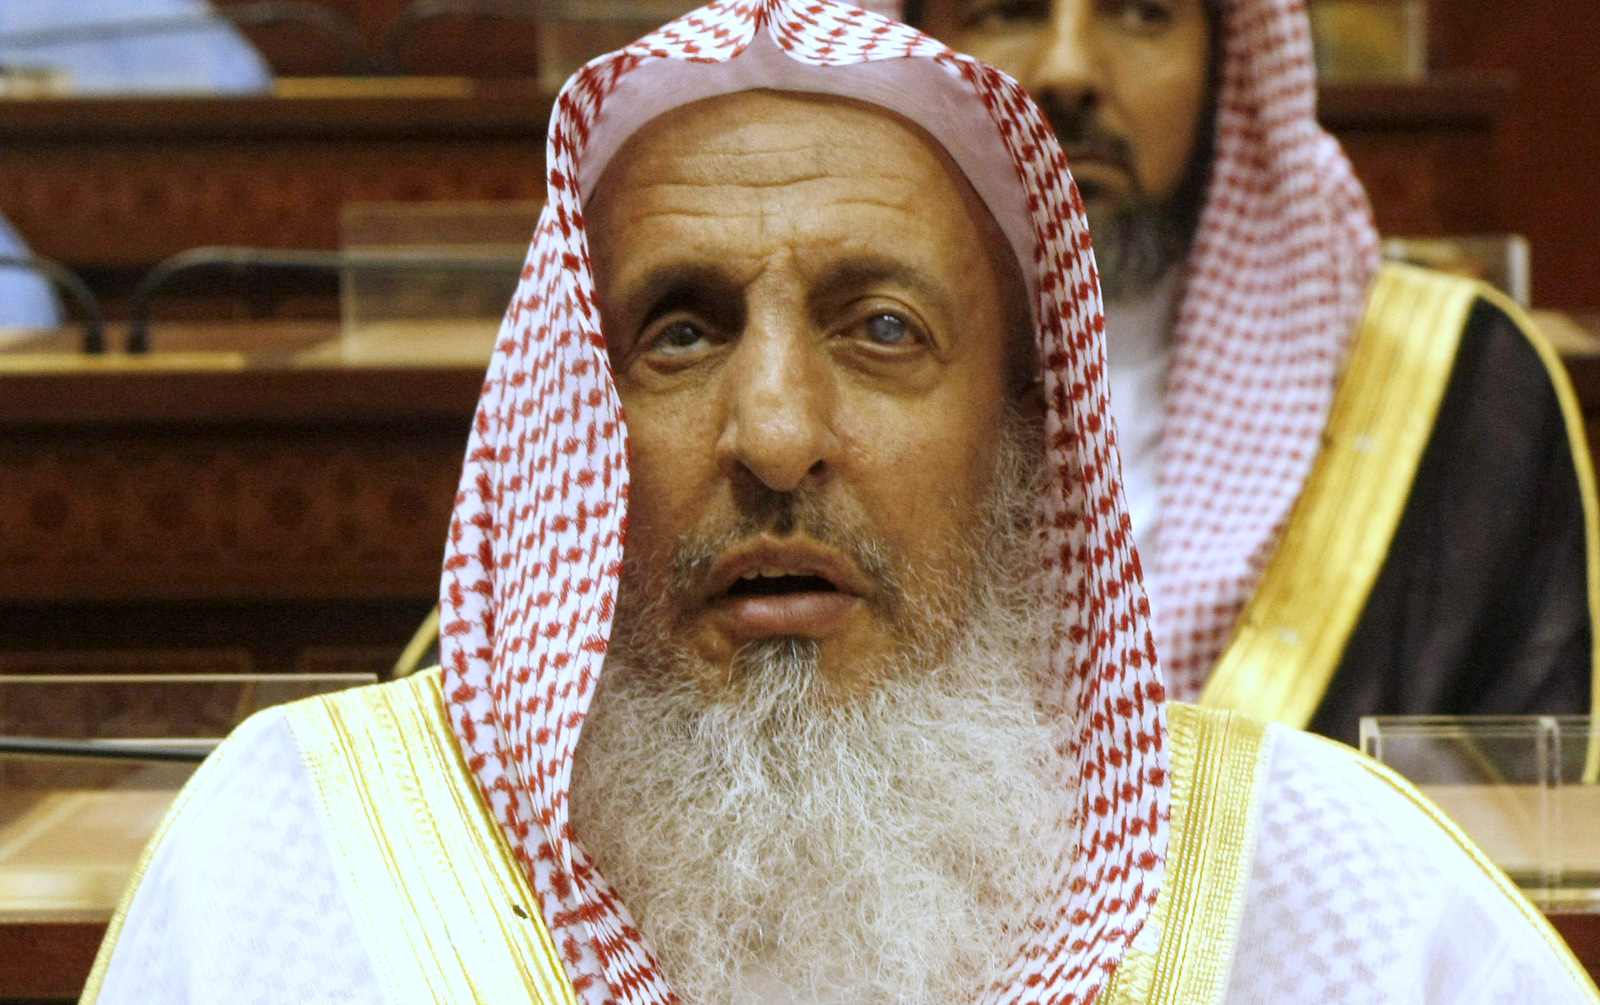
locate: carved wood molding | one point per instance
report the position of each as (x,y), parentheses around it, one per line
(133,204)
(224,514)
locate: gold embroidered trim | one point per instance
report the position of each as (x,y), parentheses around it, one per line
(449,913)
(1292,634)
(102,959)
(1534,916)
(422,640)
(1219,761)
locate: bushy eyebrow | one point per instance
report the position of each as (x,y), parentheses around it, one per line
(697,286)
(672,282)
(848,278)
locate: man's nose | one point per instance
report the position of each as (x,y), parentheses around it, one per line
(1065,71)
(777,425)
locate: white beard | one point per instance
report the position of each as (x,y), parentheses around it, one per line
(776,847)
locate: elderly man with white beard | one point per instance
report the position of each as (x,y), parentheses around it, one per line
(795,645)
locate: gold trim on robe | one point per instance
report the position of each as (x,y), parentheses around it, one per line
(1292,634)
(446,913)
(1184,953)
(448,910)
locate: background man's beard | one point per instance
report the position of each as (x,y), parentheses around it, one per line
(1136,243)
(1134,246)
(892,847)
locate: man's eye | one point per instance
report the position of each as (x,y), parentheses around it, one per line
(1000,13)
(888,329)
(677,338)
(1144,15)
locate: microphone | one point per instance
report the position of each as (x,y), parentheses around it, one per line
(191,752)
(94,329)
(260,14)
(240,261)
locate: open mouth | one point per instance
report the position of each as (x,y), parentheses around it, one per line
(767,589)
(757,585)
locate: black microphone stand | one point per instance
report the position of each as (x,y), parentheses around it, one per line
(94,329)
(240,261)
(107,750)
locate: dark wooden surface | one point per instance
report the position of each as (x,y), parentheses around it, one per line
(268,517)
(102,183)
(97,183)
(483,44)
(47,961)
(1582,932)
(1423,153)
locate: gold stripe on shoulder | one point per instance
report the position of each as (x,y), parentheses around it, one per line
(1292,634)
(423,639)
(1218,765)
(432,879)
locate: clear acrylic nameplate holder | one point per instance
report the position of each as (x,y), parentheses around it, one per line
(427,283)
(92,764)
(1522,787)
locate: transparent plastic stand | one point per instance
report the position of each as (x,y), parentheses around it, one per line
(72,824)
(433,279)
(1522,787)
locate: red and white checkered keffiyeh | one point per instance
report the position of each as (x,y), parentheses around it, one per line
(536,540)
(1277,280)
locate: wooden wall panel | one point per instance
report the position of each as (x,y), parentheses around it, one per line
(109,204)
(1547,155)
(271,519)
(223,514)
(1425,182)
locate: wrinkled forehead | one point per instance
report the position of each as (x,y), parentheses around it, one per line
(917,89)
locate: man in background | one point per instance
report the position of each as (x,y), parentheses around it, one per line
(130,47)
(105,47)
(26,300)
(1354,490)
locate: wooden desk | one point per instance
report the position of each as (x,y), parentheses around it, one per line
(224,512)
(108,182)
(128,182)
